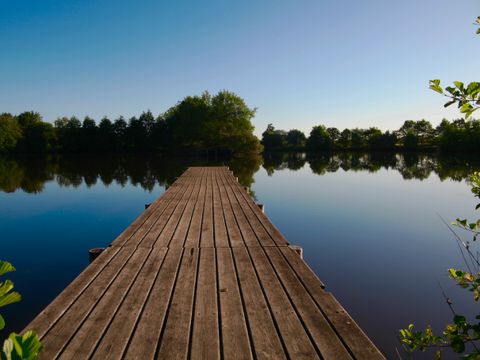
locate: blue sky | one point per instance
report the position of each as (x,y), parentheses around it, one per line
(343,63)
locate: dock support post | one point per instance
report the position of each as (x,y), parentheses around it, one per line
(262,207)
(94,253)
(147,206)
(246,189)
(297,249)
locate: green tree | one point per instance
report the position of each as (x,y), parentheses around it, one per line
(106,135)
(38,136)
(319,139)
(89,132)
(222,122)
(345,140)
(296,139)
(120,132)
(272,138)
(334,134)
(10,132)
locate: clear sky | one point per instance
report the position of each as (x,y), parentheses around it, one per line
(343,63)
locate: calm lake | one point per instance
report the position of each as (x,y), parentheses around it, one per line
(369,224)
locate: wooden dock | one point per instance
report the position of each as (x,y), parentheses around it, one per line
(201,274)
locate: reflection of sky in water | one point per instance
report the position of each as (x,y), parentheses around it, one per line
(374,238)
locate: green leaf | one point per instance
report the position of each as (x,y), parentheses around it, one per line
(2,322)
(458,84)
(466,108)
(449,103)
(10,298)
(473,88)
(435,86)
(6,267)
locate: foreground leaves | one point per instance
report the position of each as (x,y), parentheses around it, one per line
(25,347)
(16,347)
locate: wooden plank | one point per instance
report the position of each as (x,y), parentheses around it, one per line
(147,332)
(325,339)
(248,235)
(163,231)
(234,236)
(292,332)
(263,237)
(154,222)
(235,341)
(92,329)
(269,226)
(205,334)
(220,230)
(194,231)
(59,335)
(176,334)
(115,340)
(55,310)
(148,217)
(180,234)
(354,338)
(266,342)
(206,238)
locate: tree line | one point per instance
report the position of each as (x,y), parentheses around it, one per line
(220,123)
(458,135)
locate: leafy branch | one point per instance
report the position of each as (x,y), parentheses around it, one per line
(456,335)
(467,97)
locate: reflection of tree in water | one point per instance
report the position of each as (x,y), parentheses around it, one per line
(410,165)
(245,168)
(28,173)
(31,173)
(283,160)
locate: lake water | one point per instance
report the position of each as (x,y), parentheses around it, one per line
(369,224)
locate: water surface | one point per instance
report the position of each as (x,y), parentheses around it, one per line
(368,223)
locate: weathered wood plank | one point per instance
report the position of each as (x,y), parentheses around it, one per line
(174,343)
(146,336)
(97,321)
(59,335)
(194,231)
(263,237)
(206,238)
(276,235)
(205,334)
(162,234)
(114,343)
(54,311)
(181,231)
(234,236)
(266,342)
(220,229)
(248,235)
(235,341)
